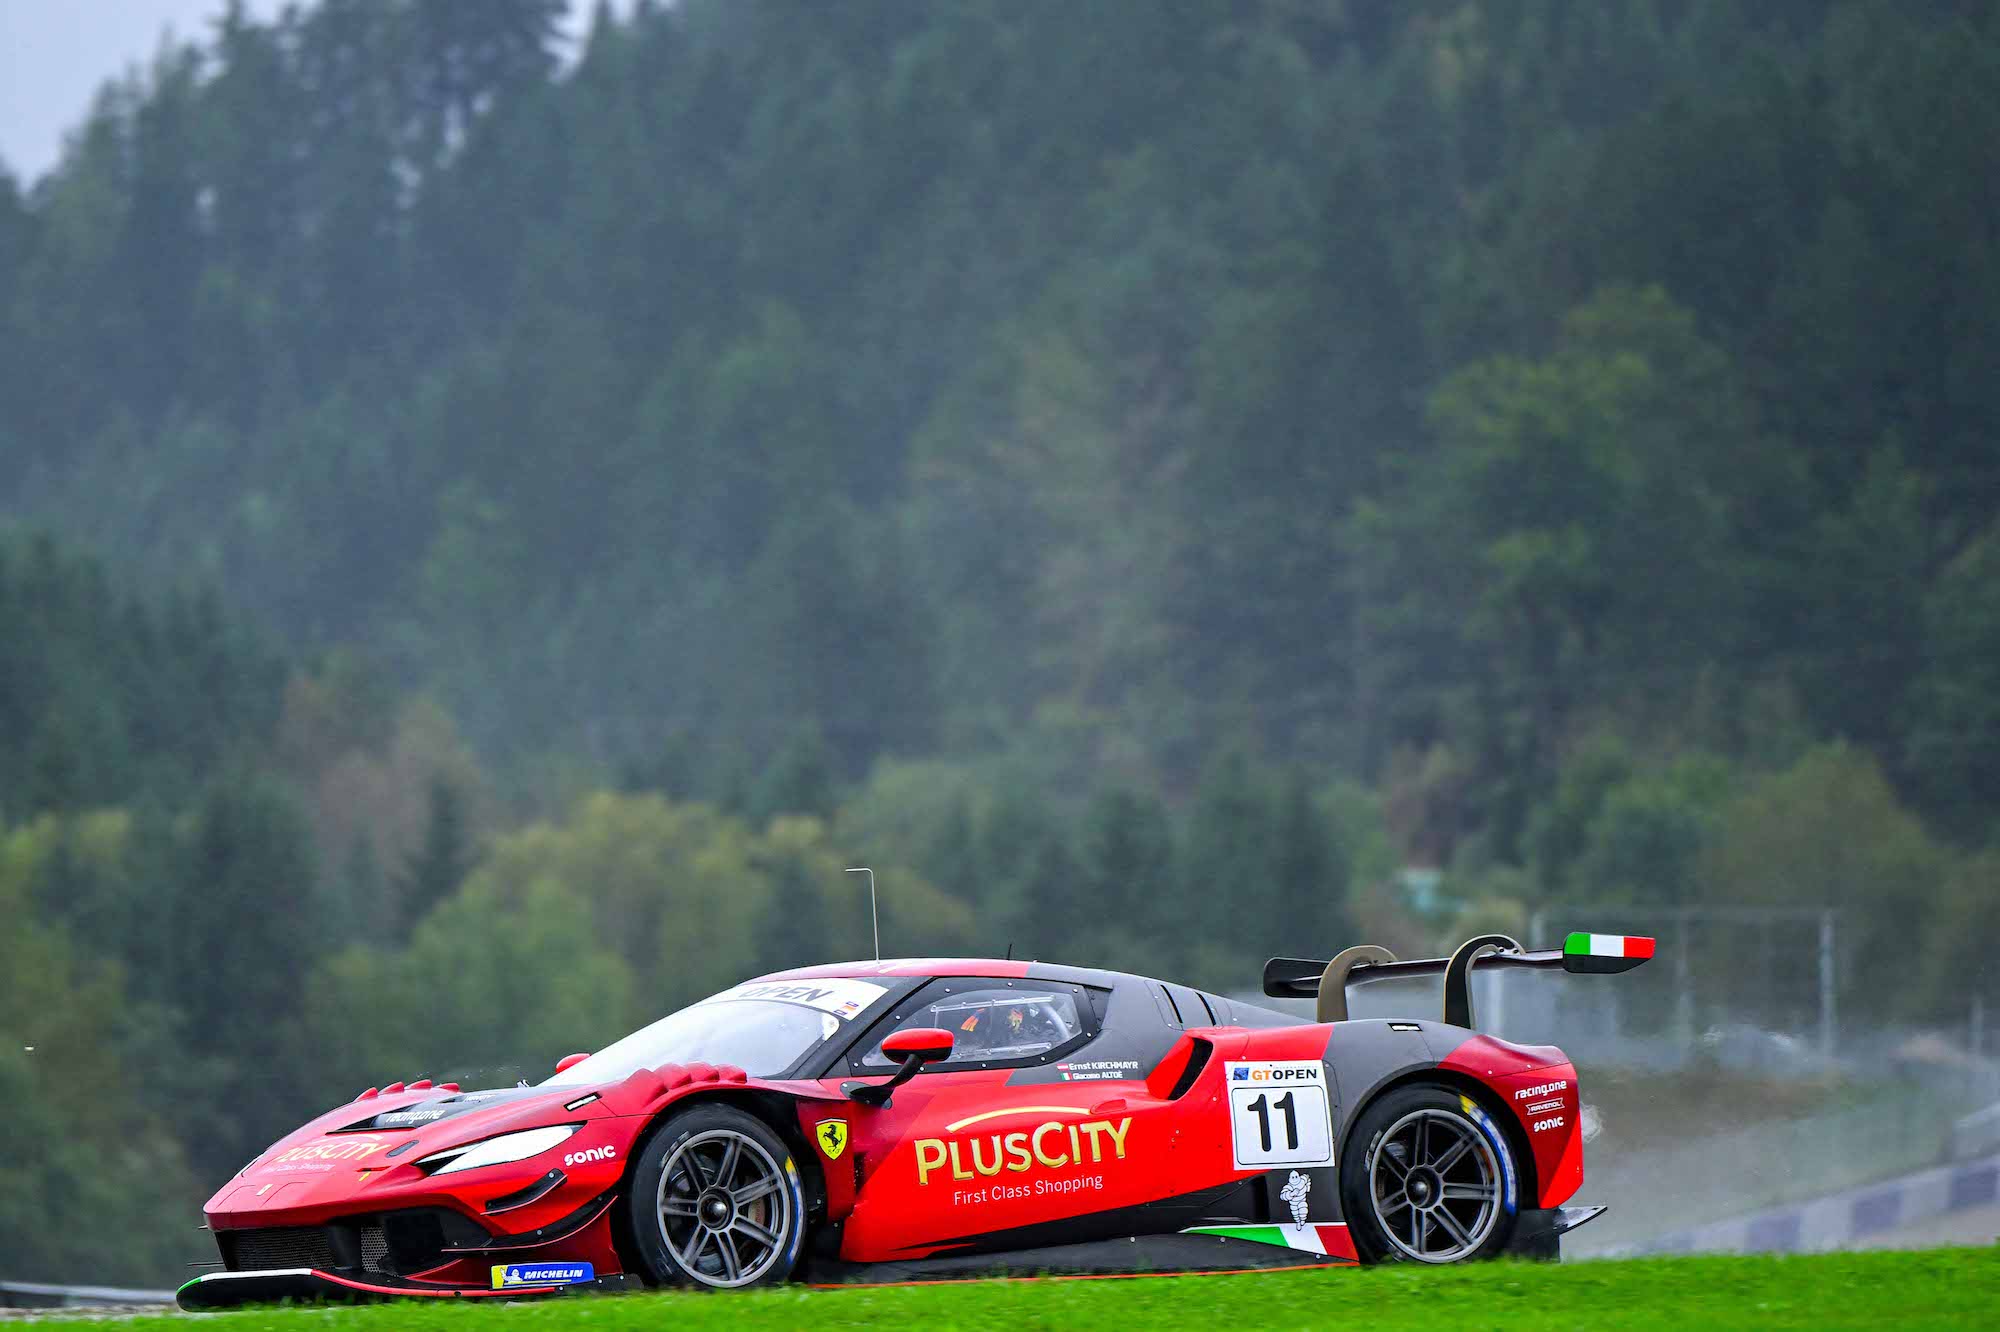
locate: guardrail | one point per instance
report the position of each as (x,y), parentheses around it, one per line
(1850,1219)
(35,1295)
(1977,1133)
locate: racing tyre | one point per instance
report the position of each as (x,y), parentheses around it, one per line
(1427,1177)
(716,1201)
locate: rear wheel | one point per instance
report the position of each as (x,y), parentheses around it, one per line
(1423,1181)
(717,1201)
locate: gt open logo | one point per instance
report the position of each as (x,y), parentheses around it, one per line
(590,1154)
(1274,1073)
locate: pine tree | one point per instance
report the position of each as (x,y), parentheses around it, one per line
(244,919)
(794,931)
(1224,888)
(1125,870)
(799,781)
(444,859)
(1308,873)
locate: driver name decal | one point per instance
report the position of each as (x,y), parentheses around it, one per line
(1050,1145)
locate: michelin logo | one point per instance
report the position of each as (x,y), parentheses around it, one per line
(542,1274)
(1295,1191)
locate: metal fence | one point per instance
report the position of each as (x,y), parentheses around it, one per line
(1660,1189)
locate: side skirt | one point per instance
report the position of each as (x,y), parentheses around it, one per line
(1211,1251)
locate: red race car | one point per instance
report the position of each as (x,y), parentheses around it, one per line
(906,1120)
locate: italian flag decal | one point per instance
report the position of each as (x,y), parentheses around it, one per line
(1328,1241)
(1605,952)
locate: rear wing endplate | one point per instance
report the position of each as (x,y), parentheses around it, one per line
(1306,978)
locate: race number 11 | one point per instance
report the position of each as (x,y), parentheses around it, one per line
(1278,1113)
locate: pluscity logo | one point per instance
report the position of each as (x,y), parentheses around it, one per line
(1052,1144)
(589,1154)
(355,1147)
(1530,1093)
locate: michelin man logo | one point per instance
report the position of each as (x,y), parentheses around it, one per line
(1295,1191)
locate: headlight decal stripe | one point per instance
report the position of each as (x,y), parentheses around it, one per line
(503,1149)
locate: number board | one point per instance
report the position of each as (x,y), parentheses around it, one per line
(1278,1113)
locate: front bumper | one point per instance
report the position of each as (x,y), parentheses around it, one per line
(227,1290)
(424,1252)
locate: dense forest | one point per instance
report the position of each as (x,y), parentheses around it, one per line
(490,531)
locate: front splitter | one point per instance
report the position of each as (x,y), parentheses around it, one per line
(227,1290)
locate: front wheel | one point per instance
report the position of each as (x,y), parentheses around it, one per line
(1423,1180)
(716,1201)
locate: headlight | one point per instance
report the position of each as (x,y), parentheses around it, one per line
(498,1151)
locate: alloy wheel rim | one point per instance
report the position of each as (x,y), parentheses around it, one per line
(725,1211)
(1434,1183)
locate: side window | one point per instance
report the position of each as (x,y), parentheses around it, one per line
(991,1025)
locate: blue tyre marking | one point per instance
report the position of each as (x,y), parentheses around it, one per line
(1487,1127)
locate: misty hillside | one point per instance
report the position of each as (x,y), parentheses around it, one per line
(1140,374)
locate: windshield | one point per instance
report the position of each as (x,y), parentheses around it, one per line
(763,1028)
(996,1024)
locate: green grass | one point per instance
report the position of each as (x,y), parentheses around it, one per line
(1939,1288)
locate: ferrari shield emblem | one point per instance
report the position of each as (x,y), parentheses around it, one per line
(832,1135)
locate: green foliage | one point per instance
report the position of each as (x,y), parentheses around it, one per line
(1125,867)
(1309,868)
(1646,840)
(446,855)
(1347,381)
(1953,741)
(1263,869)
(1957,942)
(105,699)
(800,781)
(240,920)
(1575,532)
(1829,833)
(86,1152)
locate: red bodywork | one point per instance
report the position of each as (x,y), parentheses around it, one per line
(955,1153)
(1538,1086)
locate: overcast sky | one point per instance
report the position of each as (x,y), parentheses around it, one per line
(54,54)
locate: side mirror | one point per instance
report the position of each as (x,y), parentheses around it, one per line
(567,1062)
(915,1047)
(926,1045)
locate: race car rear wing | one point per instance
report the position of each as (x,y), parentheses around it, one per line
(1305,978)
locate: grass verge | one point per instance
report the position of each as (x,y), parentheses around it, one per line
(1938,1288)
